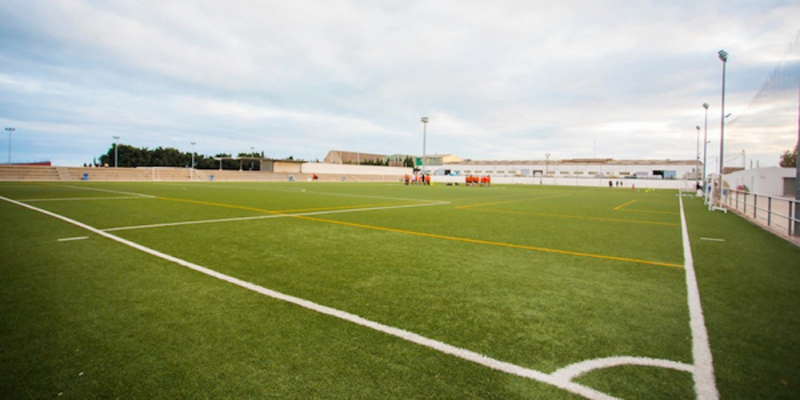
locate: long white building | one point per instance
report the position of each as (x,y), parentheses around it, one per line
(573,168)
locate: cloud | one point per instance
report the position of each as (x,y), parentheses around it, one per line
(504,79)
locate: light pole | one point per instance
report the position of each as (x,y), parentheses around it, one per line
(697,173)
(116,154)
(723,56)
(547,164)
(424,139)
(252,151)
(705,152)
(191,170)
(9,130)
(744,159)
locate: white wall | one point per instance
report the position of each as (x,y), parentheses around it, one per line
(347,169)
(766,181)
(593,182)
(565,170)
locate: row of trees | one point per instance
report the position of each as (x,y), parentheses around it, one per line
(407,162)
(132,156)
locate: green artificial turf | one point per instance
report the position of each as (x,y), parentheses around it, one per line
(542,277)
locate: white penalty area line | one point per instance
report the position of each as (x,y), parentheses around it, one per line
(464,354)
(705,385)
(257,217)
(71,239)
(109,191)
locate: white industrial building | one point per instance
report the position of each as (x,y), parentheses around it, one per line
(772,181)
(574,168)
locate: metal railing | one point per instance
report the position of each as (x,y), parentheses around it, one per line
(775,213)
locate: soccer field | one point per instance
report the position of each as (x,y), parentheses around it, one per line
(356,290)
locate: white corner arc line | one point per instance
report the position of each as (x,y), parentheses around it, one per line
(396,332)
(573,371)
(704,381)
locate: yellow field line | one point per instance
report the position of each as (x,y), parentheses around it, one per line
(490,243)
(652,212)
(432,235)
(619,207)
(580,217)
(510,201)
(208,203)
(301,210)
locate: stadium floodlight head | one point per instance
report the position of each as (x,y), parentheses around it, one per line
(705,105)
(424,120)
(723,55)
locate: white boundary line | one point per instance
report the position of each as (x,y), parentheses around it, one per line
(389,330)
(257,217)
(704,382)
(82,198)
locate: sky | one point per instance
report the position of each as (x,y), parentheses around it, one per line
(499,80)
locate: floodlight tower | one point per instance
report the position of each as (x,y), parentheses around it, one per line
(9,130)
(116,154)
(424,139)
(723,56)
(698,148)
(191,170)
(547,164)
(705,152)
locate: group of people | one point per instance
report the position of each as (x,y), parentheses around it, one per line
(417,179)
(615,184)
(425,179)
(473,180)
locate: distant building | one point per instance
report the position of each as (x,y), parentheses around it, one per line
(352,157)
(577,168)
(394,160)
(450,164)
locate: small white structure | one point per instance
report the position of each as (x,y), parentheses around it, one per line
(771,181)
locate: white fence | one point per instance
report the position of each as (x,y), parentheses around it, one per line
(775,213)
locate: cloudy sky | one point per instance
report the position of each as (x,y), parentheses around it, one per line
(499,79)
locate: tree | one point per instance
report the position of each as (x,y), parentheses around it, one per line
(789,159)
